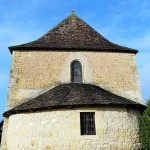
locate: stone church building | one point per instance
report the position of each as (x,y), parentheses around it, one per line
(72,89)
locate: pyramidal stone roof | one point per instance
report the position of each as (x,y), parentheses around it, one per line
(72,34)
(73,95)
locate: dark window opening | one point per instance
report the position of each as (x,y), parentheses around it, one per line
(76,72)
(1,130)
(87,123)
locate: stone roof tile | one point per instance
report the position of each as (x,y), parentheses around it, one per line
(72,94)
(72,34)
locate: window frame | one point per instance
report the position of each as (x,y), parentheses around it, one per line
(71,73)
(87,123)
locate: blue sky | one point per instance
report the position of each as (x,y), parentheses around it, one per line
(125,22)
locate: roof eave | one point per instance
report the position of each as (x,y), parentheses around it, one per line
(15,48)
(12,112)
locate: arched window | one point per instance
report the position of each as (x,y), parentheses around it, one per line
(76,72)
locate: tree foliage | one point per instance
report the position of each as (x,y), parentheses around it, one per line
(145,128)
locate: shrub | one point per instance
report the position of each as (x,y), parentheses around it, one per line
(145,128)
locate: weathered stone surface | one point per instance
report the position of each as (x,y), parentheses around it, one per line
(116,128)
(33,71)
(3,145)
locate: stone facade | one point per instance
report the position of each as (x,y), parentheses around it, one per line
(116,129)
(34,72)
(3,145)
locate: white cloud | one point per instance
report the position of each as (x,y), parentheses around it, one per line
(143,58)
(4,31)
(145,79)
(18,35)
(144,43)
(145,10)
(141,42)
(4,77)
(23,37)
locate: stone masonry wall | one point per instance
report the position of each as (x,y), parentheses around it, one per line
(33,72)
(3,145)
(116,129)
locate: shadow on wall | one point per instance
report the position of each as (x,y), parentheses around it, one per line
(1,127)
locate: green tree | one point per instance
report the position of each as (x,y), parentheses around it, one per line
(145,128)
